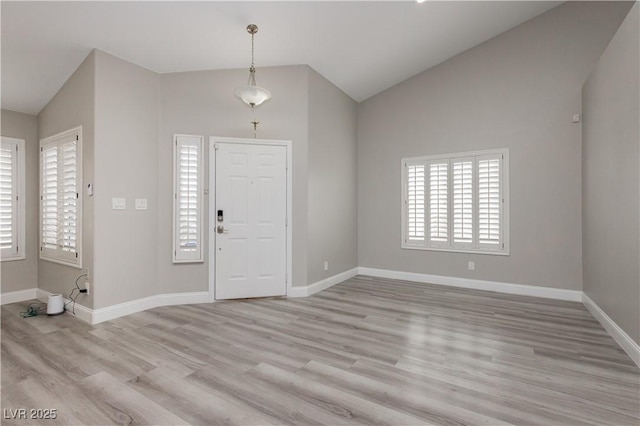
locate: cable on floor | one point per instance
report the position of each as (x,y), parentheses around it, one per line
(33,310)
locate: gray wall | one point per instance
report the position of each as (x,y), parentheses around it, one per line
(73,106)
(126,152)
(23,274)
(332,197)
(517,91)
(136,114)
(202,103)
(611,178)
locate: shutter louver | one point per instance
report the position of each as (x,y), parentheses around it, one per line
(489,201)
(415,202)
(8,198)
(188,199)
(438,202)
(463,202)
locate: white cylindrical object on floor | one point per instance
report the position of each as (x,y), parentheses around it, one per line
(55,305)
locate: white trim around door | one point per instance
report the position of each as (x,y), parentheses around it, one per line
(212,204)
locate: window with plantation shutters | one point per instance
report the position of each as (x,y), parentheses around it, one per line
(188,195)
(456,202)
(60,202)
(12,213)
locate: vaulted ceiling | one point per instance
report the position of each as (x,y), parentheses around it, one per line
(362,47)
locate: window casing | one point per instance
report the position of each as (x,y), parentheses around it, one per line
(12,199)
(457,202)
(60,198)
(188,194)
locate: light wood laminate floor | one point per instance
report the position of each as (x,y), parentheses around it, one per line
(367,351)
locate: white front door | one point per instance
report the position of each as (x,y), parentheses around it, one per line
(250,225)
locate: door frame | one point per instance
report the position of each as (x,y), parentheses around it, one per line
(212,205)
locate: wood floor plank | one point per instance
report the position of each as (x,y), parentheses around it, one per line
(549,406)
(391,394)
(366,351)
(350,406)
(124,405)
(192,402)
(259,395)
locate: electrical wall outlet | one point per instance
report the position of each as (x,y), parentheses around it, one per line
(87,286)
(326,265)
(472,265)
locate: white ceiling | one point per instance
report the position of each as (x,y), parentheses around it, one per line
(362,47)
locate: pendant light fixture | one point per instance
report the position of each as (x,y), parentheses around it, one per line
(252,94)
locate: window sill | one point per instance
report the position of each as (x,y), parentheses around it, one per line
(188,260)
(12,258)
(76,265)
(453,250)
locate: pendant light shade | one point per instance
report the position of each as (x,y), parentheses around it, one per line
(252,94)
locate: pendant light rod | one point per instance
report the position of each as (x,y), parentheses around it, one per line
(252,29)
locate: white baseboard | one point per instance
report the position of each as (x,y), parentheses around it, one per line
(331,281)
(322,285)
(623,339)
(95,316)
(302,291)
(520,289)
(139,305)
(18,296)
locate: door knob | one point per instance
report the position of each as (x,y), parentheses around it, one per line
(221,229)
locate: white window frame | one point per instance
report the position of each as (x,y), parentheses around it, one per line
(502,248)
(18,246)
(182,256)
(58,255)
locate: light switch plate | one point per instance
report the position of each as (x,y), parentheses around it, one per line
(118,203)
(141,203)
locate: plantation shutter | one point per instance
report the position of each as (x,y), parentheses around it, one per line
(463,202)
(489,201)
(415,202)
(60,206)
(456,202)
(8,198)
(188,186)
(438,202)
